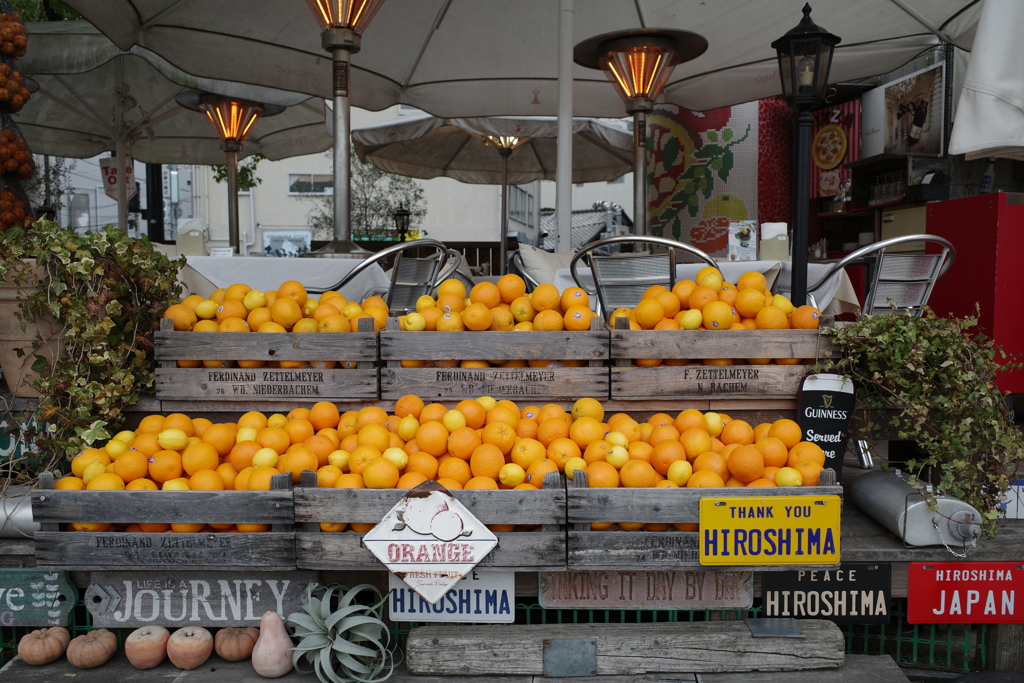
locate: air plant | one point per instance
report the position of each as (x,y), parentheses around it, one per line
(341,640)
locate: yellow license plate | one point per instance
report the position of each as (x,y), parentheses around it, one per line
(743,530)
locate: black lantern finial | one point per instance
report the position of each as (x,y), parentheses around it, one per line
(402,217)
(805,58)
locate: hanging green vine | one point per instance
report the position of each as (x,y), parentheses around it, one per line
(931,380)
(107,292)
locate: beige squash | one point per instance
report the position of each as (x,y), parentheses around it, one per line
(92,649)
(44,645)
(189,647)
(270,657)
(146,647)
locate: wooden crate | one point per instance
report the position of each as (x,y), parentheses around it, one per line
(516,550)
(616,549)
(517,384)
(81,550)
(710,382)
(307,385)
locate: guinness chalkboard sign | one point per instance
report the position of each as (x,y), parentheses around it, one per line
(825,407)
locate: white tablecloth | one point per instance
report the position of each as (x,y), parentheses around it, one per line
(835,297)
(203,274)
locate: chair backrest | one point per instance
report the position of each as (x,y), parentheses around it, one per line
(620,279)
(896,282)
(520,269)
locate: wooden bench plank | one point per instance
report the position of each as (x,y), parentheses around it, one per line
(518,384)
(396,345)
(234,384)
(356,346)
(708,381)
(126,507)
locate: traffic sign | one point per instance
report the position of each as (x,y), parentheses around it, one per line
(112,170)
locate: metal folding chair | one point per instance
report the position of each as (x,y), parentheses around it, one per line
(411,276)
(896,283)
(620,279)
(520,269)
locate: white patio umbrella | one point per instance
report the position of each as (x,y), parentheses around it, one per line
(495,150)
(92,97)
(990,115)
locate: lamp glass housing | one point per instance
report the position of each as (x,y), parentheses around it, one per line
(402,217)
(639,70)
(504,143)
(233,120)
(354,15)
(805,58)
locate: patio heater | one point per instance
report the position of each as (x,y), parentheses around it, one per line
(233,119)
(402,217)
(638,62)
(342,22)
(504,144)
(805,57)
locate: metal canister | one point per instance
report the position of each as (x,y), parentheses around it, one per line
(16,516)
(903,510)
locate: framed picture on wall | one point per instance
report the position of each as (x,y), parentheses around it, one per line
(287,243)
(915,112)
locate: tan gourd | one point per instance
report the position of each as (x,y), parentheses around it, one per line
(146,647)
(189,647)
(235,643)
(271,657)
(92,649)
(44,645)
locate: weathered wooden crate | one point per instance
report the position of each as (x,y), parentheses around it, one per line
(85,550)
(616,549)
(267,384)
(541,384)
(622,651)
(543,549)
(711,381)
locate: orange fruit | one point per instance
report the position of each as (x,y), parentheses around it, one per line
(522,310)
(450,484)
(179,421)
(511,287)
(637,473)
(350,481)
(648,313)
(668,301)
(574,296)
(718,315)
(227,472)
(260,478)
(701,296)
(714,462)
(462,442)
(805,318)
(665,432)
(527,429)
(141,484)
(602,475)
(380,473)
(473,411)
(455,469)
(596,450)
(447,303)
(640,451)
(804,451)
(221,436)
(560,451)
(749,302)
(409,405)
(432,438)
(130,465)
(324,415)
(771,318)
(761,431)
(450,322)
(410,480)
(360,457)
(688,419)
(297,460)
(500,413)
(164,465)
(374,435)
(548,321)
(695,441)
(486,461)
(481,483)
(321,445)
(422,463)
(370,415)
(293,290)
(577,317)
(552,428)
(71,483)
(274,437)
(752,280)
(704,479)
(486,293)
(499,434)
(810,471)
(545,297)
(585,431)
(430,316)
(682,290)
(206,480)
(150,423)
(477,317)
(200,456)
(737,431)
(773,451)
(664,454)
(299,429)
(184,317)
(285,312)
(527,451)
(746,464)
(787,431)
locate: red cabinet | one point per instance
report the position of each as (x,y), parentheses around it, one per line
(988,233)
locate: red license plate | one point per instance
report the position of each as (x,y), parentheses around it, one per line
(965,593)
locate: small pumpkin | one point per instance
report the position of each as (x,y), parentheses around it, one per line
(189,647)
(146,647)
(271,657)
(92,649)
(44,645)
(235,643)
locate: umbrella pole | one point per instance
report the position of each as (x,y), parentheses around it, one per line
(122,187)
(563,171)
(503,248)
(640,172)
(232,150)
(342,146)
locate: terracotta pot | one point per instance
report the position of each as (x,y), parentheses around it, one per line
(17,371)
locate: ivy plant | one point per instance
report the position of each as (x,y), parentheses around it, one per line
(107,291)
(931,380)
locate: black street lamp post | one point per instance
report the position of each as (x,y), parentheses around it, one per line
(805,57)
(402,216)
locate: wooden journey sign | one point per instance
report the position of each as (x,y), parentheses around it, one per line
(35,597)
(181,598)
(649,590)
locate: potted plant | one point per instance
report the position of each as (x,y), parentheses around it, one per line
(102,295)
(930,380)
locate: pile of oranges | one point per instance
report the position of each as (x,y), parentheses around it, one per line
(475,444)
(240,308)
(711,303)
